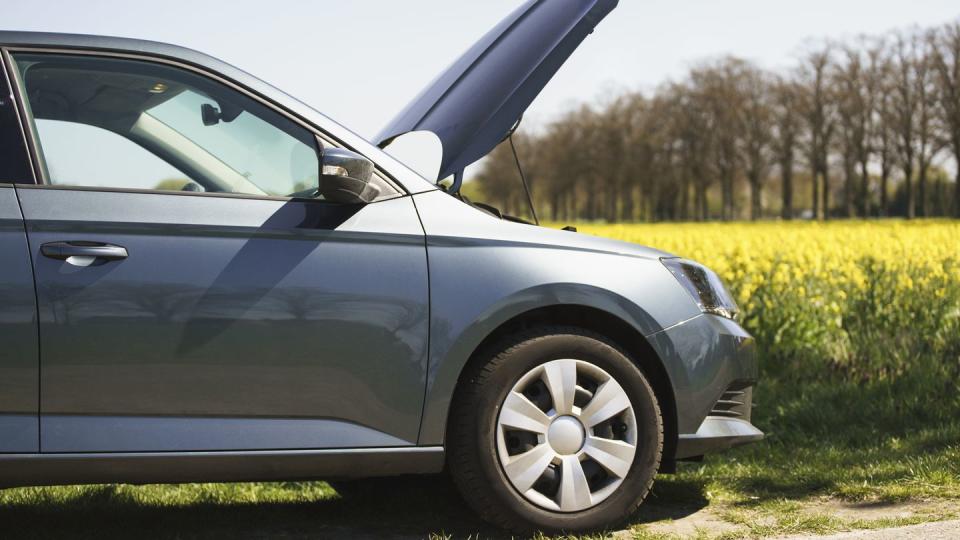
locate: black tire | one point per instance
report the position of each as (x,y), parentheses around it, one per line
(471,449)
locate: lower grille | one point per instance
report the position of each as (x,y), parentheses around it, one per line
(736,402)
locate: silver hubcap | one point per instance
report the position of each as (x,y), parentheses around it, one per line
(566,435)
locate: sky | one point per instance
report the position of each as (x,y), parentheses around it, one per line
(361,61)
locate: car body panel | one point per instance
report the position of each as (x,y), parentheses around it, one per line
(228,313)
(19,356)
(485,271)
(703,356)
(473,104)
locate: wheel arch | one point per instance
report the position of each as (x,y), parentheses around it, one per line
(605,324)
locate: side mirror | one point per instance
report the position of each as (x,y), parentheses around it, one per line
(345,177)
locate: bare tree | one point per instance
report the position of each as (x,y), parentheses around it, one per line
(757,121)
(929,143)
(719,86)
(946,68)
(817,110)
(884,133)
(787,127)
(877,109)
(693,125)
(904,111)
(856,82)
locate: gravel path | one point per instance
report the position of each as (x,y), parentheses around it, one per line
(941,530)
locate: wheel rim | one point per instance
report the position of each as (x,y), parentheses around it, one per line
(566,435)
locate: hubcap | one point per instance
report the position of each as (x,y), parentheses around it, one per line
(566,435)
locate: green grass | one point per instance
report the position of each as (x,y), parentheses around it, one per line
(889,440)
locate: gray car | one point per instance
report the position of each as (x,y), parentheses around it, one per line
(206,280)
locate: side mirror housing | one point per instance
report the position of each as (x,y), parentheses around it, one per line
(345,177)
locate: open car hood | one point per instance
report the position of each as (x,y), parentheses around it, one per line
(472,105)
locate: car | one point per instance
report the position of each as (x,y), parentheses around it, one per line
(205,280)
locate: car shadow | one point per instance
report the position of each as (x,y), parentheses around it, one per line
(105,512)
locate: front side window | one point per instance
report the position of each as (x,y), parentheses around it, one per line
(118,123)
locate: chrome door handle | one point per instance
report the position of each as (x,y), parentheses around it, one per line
(83,252)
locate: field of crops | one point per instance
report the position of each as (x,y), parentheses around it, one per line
(864,299)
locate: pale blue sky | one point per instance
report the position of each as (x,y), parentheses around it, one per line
(360,61)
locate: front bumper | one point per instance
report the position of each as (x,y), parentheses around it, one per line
(712,366)
(717,433)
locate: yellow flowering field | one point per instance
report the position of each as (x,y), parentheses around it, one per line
(872,298)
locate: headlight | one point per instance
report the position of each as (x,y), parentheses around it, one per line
(705,286)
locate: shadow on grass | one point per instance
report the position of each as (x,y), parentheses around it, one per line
(105,512)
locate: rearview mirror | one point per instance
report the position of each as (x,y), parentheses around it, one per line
(345,177)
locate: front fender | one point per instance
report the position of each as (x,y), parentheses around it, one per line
(485,271)
(450,353)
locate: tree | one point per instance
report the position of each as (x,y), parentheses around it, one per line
(689,138)
(817,108)
(787,127)
(757,122)
(945,57)
(884,133)
(718,85)
(929,143)
(904,107)
(877,110)
(856,90)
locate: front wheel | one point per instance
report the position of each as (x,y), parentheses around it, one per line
(555,430)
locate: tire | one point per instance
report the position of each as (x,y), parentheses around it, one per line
(483,437)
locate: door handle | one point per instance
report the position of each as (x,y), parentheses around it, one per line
(83,253)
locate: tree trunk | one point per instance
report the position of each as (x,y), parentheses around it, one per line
(611,207)
(825,189)
(848,183)
(685,199)
(728,198)
(700,201)
(815,185)
(755,187)
(884,189)
(591,203)
(786,212)
(626,210)
(864,189)
(908,176)
(956,190)
(922,190)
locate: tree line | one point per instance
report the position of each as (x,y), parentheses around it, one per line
(865,128)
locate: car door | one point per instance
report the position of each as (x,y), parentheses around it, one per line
(19,360)
(186,301)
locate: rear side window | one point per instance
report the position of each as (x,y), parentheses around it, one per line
(14,161)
